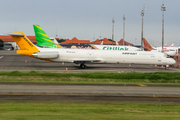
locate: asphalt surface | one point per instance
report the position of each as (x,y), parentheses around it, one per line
(87,93)
(88,90)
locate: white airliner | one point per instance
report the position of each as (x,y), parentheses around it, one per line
(79,56)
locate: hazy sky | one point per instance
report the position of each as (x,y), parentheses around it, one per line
(90,19)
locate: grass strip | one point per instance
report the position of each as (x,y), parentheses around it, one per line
(89,111)
(96,77)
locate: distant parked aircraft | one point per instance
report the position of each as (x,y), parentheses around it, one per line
(172,51)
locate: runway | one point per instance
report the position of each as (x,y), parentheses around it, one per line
(85,90)
(80,93)
(10,61)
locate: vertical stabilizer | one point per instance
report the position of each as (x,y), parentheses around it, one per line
(25,45)
(172,45)
(43,39)
(147,46)
(102,43)
(54,40)
(117,44)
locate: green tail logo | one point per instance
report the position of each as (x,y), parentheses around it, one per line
(43,39)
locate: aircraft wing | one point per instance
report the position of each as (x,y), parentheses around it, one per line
(84,61)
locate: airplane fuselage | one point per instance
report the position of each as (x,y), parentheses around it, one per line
(106,56)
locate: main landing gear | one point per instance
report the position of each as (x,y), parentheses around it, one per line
(83,66)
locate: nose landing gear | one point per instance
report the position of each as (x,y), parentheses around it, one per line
(166,67)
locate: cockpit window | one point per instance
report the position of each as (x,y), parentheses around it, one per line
(172,50)
(154,49)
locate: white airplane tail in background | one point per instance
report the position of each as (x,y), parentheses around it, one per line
(54,40)
(117,44)
(172,45)
(102,43)
(165,45)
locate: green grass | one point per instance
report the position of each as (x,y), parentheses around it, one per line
(89,111)
(95,78)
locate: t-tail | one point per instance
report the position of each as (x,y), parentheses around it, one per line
(43,39)
(25,45)
(147,46)
(29,49)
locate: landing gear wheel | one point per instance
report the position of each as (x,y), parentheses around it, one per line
(83,66)
(80,65)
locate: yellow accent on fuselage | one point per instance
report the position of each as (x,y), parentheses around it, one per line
(46,59)
(94,47)
(58,45)
(24,52)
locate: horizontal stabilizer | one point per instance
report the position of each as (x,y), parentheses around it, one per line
(17,34)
